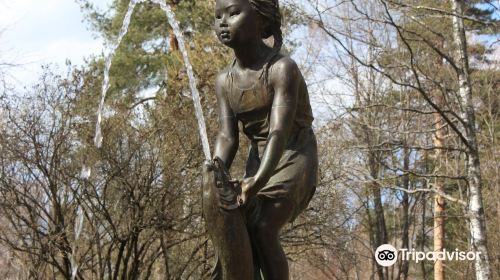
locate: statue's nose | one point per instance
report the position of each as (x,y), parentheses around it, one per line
(223,21)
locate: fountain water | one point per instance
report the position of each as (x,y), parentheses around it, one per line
(107,66)
(192,80)
(105,86)
(78,231)
(189,69)
(85,173)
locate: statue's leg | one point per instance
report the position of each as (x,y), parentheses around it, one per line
(256,261)
(252,211)
(264,234)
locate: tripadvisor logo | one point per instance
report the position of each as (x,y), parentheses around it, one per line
(387,255)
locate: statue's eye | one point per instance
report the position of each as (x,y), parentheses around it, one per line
(234,13)
(218,17)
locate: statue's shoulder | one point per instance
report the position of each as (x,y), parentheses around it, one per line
(222,77)
(283,60)
(284,66)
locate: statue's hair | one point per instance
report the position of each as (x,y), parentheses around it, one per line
(269,10)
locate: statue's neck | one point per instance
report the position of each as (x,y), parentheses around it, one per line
(251,56)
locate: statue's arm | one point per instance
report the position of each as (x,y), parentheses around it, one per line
(285,79)
(226,143)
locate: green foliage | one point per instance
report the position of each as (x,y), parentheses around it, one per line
(485,17)
(145,58)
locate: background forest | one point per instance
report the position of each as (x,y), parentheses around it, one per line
(406,96)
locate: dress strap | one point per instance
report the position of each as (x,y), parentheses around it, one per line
(230,80)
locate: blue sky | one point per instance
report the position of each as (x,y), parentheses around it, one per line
(37,32)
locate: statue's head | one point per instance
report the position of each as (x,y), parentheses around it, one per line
(242,21)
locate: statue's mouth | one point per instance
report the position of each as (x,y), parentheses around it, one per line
(225,35)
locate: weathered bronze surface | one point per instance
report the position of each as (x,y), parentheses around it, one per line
(225,223)
(265,92)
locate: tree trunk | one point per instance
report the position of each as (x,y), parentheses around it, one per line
(405,238)
(173,43)
(423,233)
(475,207)
(439,202)
(380,227)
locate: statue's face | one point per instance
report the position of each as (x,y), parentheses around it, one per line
(236,23)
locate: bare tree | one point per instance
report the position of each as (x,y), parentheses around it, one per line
(126,211)
(416,36)
(475,207)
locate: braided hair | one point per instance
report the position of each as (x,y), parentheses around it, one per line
(269,10)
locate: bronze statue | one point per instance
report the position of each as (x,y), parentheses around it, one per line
(266,92)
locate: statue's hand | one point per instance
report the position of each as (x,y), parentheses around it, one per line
(249,189)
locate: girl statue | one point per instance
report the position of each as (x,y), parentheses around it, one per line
(265,92)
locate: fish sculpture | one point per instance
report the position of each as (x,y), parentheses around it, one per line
(225,223)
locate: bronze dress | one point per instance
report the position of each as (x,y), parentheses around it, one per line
(295,176)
